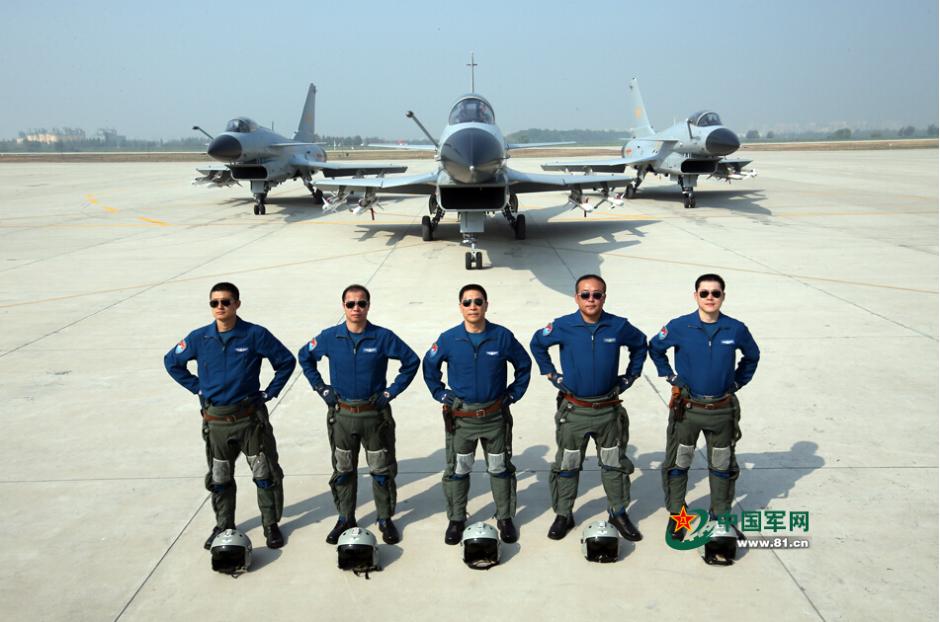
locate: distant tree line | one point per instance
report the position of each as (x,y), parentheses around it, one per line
(908,131)
(357,141)
(109,140)
(104,143)
(582,137)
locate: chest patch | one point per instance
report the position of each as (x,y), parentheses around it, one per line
(610,340)
(728,342)
(492,352)
(370,350)
(181,346)
(312,344)
(241,349)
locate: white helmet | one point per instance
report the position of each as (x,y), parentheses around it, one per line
(231,552)
(600,542)
(722,547)
(480,543)
(356,550)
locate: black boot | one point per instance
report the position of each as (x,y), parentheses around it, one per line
(454,531)
(561,527)
(389,531)
(273,536)
(507,530)
(626,528)
(677,536)
(342,524)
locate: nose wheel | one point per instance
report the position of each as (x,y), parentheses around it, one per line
(473,260)
(689,200)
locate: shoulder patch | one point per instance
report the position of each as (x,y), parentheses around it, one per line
(181,346)
(433,350)
(548,329)
(312,344)
(663,332)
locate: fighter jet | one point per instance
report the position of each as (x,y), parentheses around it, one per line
(684,151)
(472,178)
(264,158)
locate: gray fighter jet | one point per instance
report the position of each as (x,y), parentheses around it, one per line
(265,158)
(683,151)
(473,179)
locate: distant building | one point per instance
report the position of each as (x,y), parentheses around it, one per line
(55,135)
(109,137)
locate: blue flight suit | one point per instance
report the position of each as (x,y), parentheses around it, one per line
(704,385)
(588,406)
(235,416)
(477,375)
(362,415)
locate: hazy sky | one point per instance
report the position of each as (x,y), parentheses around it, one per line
(152,70)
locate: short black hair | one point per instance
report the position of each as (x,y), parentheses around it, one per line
(225,287)
(577,284)
(356,288)
(710,277)
(473,286)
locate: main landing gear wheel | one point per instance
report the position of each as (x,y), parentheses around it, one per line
(689,201)
(259,203)
(469,259)
(631,191)
(427,229)
(519,227)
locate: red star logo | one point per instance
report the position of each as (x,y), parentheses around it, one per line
(683,520)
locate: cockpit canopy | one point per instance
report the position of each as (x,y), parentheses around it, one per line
(472,109)
(242,125)
(705,118)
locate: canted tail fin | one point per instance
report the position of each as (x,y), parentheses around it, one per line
(639,122)
(305,129)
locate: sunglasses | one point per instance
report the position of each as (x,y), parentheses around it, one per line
(715,293)
(225,302)
(472,301)
(592,295)
(352,304)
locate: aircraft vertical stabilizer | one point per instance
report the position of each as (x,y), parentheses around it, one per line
(639,122)
(305,128)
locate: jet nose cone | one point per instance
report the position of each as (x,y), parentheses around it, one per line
(721,142)
(472,155)
(225,148)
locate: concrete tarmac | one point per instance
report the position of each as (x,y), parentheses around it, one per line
(829,257)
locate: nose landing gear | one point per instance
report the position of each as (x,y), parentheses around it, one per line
(472,258)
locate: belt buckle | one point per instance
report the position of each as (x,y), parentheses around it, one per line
(596,405)
(229,419)
(481,412)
